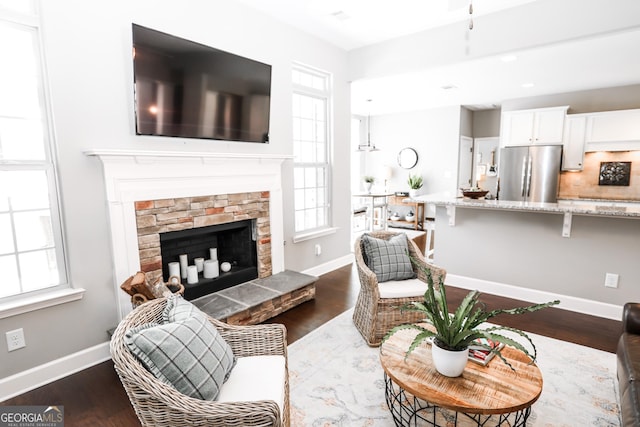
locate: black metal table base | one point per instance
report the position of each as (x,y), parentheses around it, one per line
(407,410)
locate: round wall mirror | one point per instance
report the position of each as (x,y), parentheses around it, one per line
(407,158)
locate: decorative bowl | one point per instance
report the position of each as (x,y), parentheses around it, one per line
(474,194)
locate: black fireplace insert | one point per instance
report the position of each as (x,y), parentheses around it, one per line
(235,243)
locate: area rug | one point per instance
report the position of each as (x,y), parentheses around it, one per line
(337,380)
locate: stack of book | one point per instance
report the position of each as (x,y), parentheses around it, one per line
(479,352)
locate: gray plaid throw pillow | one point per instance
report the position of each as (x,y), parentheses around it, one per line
(388,259)
(179,309)
(189,354)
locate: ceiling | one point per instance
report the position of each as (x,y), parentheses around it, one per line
(351,24)
(587,53)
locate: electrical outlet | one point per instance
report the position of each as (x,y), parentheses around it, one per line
(318,250)
(611,280)
(15,339)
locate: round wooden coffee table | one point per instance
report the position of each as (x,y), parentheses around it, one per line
(491,395)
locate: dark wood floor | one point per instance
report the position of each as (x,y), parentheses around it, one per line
(95,397)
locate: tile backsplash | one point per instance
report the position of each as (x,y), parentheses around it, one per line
(584,184)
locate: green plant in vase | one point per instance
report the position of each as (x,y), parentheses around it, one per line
(415,183)
(456,331)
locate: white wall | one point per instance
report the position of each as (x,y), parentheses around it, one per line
(432,133)
(486,123)
(88,53)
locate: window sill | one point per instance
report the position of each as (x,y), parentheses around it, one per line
(308,236)
(32,303)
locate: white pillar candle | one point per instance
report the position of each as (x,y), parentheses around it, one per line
(211,269)
(213,254)
(199,264)
(174,269)
(192,274)
(184,262)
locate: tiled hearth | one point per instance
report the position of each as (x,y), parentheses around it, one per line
(260,299)
(133,176)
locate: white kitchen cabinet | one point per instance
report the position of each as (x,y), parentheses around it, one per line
(573,142)
(530,127)
(611,126)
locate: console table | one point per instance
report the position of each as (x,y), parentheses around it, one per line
(416,206)
(491,395)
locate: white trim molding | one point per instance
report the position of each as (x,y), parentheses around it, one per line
(49,372)
(579,305)
(26,304)
(329,266)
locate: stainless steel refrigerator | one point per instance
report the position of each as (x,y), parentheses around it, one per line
(530,173)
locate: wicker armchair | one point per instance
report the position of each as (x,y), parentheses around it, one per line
(159,404)
(375,316)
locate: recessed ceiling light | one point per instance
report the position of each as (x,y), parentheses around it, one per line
(508,58)
(527,85)
(449,87)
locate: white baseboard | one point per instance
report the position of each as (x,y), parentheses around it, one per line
(579,305)
(327,267)
(38,376)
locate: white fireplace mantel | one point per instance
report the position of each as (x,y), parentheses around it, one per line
(136,175)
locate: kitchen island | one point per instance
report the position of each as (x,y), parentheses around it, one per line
(567,208)
(542,251)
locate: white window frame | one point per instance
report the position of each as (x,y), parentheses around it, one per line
(326,95)
(26,301)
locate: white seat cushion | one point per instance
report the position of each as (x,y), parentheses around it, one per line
(402,288)
(256,378)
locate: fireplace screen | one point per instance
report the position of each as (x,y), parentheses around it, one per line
(233,243)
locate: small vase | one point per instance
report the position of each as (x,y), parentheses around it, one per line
(448,362)
(367,186)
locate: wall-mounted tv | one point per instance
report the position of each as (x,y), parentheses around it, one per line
(186,89)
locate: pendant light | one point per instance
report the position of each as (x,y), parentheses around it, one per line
(368,146)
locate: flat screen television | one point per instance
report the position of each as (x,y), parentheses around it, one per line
(186,89)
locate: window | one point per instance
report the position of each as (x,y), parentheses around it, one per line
(31,249)
(311,145)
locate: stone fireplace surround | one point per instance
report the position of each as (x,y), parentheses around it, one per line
(154,217)
(133,176)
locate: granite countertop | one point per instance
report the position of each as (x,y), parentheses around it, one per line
(578,207)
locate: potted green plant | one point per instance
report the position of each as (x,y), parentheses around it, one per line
(415,183)
(368,182)
(452,334)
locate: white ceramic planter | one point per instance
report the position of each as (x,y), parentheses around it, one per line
(447,362)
